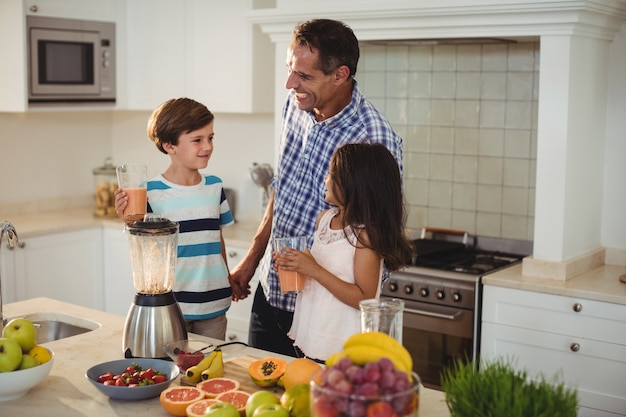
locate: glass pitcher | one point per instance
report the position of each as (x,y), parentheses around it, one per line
(153,245)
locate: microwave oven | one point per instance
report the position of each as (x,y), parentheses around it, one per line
(70,60)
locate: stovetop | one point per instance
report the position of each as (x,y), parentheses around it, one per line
(448,272)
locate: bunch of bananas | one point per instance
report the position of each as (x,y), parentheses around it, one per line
(210,367)
(368,347)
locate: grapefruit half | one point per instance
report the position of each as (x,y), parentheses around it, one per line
(198,408)
(236,398)
(216,386)
(175,400)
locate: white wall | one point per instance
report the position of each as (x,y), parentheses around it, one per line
(47,158)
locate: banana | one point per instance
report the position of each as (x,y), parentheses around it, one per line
(216,369)
(362,354)
(194,373)
(384,341)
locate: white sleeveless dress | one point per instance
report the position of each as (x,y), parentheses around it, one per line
(321,322)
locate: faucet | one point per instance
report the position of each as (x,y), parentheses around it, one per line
(8,229)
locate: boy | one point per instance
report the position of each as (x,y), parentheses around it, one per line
(183,129)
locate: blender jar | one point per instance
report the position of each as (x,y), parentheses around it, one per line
(153,244)
(105,181)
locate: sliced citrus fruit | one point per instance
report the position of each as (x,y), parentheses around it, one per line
(215,386)
(198,408)
(175,400)
(236,398)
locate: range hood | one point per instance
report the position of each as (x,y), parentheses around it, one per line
(576,44)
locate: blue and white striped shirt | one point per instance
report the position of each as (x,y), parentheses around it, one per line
(305,151)
(201,287)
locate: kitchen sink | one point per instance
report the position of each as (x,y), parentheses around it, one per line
(55,326)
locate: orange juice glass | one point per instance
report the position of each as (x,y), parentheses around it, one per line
(290,281)
(132,178)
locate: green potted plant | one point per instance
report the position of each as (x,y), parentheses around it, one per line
(497,389)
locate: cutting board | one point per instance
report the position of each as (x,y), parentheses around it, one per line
(237,369)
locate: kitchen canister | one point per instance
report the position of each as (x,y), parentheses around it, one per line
(105,181)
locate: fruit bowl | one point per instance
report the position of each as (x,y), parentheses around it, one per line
(16,384)
(333,398)
(186,353)
(169,369)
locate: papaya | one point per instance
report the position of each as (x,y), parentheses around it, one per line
(267,371)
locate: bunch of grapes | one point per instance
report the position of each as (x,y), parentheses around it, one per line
(377,388)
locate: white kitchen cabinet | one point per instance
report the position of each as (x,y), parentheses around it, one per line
(238,314)
(202,49)
(582,341)
(7,272)
(65,266)
(119,290)
(14,79)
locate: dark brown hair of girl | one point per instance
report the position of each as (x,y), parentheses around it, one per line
(367,181)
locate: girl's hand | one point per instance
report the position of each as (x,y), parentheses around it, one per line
(295,260)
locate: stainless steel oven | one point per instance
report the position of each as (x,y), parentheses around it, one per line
(442,290)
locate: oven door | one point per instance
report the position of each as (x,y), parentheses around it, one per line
(436,336)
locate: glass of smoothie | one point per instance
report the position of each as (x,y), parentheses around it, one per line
(290,281)
(132,179)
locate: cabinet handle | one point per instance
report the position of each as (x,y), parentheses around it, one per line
(34,8)
(232,337)
(232,254)
(577,307)
(574,347)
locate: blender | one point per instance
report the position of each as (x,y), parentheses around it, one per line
(155,318)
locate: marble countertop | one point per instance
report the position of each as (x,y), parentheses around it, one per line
(599,284)
(67,393)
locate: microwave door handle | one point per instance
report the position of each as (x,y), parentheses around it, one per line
(452,317)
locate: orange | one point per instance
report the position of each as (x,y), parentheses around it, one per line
(175,400)
(215,386)
(236,398)
(198,408)
(299,371)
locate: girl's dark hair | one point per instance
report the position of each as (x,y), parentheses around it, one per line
(334,41)
(174,118)
(366,180)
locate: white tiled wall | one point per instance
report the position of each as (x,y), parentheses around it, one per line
(468,116)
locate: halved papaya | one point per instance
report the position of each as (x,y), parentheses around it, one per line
(266,372)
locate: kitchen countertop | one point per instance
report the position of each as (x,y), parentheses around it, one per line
(599,284)
(67,393)
(35,224)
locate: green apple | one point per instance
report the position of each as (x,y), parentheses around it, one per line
(221,409)
(10,355)
(259,398)
(28,362)
(23,331)
(271,410)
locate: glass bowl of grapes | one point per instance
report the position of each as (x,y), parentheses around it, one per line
(374,389)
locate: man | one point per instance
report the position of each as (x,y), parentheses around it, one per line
(325,109)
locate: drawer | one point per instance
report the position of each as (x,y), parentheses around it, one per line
(597,369)
(555,314)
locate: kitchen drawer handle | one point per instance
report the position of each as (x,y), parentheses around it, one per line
(574,347)
(454,316)
(232,254)
(577,307)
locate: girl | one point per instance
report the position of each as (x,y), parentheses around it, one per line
(361,233)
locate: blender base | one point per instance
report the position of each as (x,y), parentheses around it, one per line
(153,321)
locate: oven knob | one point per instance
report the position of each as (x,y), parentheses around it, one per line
(408,289)
(456,296)
(440,295)
(424,292)
(393,286)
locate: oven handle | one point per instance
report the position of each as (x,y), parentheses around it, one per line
(452,317)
